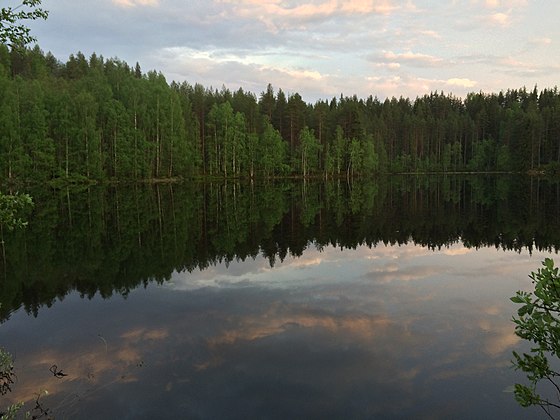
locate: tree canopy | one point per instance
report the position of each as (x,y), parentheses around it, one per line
(95,119)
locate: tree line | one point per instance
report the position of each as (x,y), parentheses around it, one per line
(101,119)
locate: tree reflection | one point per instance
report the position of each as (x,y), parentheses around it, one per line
(114,239)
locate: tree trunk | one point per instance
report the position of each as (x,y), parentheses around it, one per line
(157,139)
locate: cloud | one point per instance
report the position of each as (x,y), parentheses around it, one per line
(525,69)
(278,15)
(539,42)
(500,19)
(413,59)
(503,12)
(251,72)
(308,9)
(305,263)
(457,251)
(511,65)
(367,6)
(390,66)
(466,83)
(319,48)
(430,33)
(483,15)
(497,4)
(274,323)
(90,365)
(408,85)
(134,3)
(392,273)
(501,338)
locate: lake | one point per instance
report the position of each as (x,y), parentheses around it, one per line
(379,299)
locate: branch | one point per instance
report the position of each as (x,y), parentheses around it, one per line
(554,383)
(546,411)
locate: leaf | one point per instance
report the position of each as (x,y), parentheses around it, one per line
(516,299)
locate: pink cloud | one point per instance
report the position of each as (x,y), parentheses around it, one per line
(367,6)
(277,15)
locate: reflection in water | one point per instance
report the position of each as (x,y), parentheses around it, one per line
(341,325)
(111,240)
(331,333)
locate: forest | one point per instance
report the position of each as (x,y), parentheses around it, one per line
(95,119)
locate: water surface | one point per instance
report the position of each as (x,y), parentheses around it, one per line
(387,299)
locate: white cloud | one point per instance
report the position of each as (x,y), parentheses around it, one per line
(430,33)
(500,19)
(390,65)
(412,58)
(134,3)
(405,85)
(492,3)
(411,86)
(251,72)
(412,273)
(457,250)
(541,41)
(466,83)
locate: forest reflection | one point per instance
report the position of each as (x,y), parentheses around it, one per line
(113,239)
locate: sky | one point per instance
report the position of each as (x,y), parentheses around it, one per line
(319,48)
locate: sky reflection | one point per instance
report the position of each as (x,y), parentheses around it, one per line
(391,331)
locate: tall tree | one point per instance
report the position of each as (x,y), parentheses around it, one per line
(309,149)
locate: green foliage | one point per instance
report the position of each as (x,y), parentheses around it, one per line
(12,32)
(7,378)
(538,321)
(12,210)
(503,159)
(271,152)
(483,158)
(7,375)
(97,120)
(11,412)
(552,169)
(309,149)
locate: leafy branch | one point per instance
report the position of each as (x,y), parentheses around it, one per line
(538,321)
(12,32)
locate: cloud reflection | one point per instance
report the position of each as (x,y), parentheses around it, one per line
(366,332)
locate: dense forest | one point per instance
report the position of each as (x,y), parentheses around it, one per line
(112,239)
(101,119)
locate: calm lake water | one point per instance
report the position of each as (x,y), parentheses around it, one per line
(386,299)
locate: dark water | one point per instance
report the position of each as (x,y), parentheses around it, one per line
(385,299)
